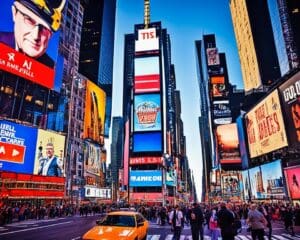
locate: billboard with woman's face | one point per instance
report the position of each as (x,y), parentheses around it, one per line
(292,176)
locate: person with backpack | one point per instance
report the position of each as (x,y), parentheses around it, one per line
(195,216)
(176,220)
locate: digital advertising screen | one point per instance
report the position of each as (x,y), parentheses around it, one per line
(265,126)
(292,176)
(17,147)
(231,184)
(221,109)
(290,96)
(147,113)
(146,74)
(212,56)
(50,154)
(145,178)
(228,144)
(147,142)
(23,54)
(147,40)
(256,183)
(246,184)
(94,117)
(104,193)
(272,180)
(92,157)
(242,142)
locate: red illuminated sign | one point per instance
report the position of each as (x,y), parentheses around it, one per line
(12,153)
(18,64)
(145,160)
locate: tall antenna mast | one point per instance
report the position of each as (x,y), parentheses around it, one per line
(146,13)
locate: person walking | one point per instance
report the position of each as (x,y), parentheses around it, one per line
(195,216)
(176,220)
(225,221)
(213,225)
(257,222)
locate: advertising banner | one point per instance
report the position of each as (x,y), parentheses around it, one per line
(92,156)
(95,100)
(49,154)
(212,56)
(145,160)
(221,109)
(272,180)
(221,121)
(146,74)
(256,183)
(290,96)
(292,176)
(17,147)
(21,52)
(147,40)
(104,193)
(242,143)
(231,185)
(145,178)
(147,142)
(265,126)
(246,185)
(147,112)
(228,144)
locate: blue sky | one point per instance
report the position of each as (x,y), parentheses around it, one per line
(185,21)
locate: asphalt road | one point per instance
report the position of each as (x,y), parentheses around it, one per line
(72,228)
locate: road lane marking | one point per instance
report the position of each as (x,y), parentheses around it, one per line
(76,238)
(29,229)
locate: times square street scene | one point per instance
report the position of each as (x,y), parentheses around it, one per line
(150,120)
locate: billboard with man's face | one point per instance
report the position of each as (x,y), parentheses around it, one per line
(25,50)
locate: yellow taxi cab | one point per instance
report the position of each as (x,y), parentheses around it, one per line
(121,225)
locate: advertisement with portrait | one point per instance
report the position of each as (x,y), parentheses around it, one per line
(290,96)
(292,176)
(92,158)
(145,178)
(231,184)
(272,180)
(146,74)
(256,183)
(246,185)
(228,144)
(147,142)
(218,86)
(242,143)
(95,100)
(25,50)
(265,127)
(221,109)
(147,112)
(212,56)
(17,147)
(50,154)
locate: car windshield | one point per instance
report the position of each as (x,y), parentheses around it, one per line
(118,220)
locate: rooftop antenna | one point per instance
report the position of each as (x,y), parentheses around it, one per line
(146,13)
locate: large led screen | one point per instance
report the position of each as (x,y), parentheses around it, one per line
(256,183)
(290,96)
(212,56)
(292,176)
(24,51)
(92,157)
(246,185)
(17,147)
(147,112)
(50,154)
(147,142)
(146,74)
(94,116)
(228,144)
(147,40)
(231,185)
(272,180)
(265,126)
(242,142)
(145,178)
(221,109)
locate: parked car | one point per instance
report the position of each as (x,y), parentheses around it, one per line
(121,225)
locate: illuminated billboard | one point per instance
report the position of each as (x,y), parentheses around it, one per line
(104,193)
(231,184)
(24,51)
(292,176)
(212,56)
(147,112)
(147,142)
(242,143)
(146,74)
(17,147)
(145,160)
(246,185)
(290,96)
(265,127)
(92,157)
(256,183)
(228,144)
(221,109)
(218,86)
(49,154)
(95,99)
(147,40)
(145,178)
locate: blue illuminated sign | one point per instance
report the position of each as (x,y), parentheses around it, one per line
(147,142)
(146,178)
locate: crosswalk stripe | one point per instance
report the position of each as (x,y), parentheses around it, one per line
(153,237)
(288,235)
(241,237)
(169,237)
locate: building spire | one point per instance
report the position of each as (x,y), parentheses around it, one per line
(146,13)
